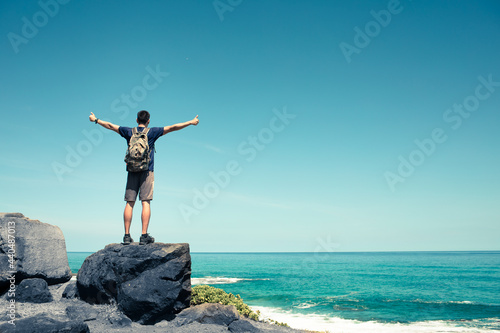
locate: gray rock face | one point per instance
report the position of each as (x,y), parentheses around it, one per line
(251,326)
(42,323)
(83,312)
(33,291)
(118,319)
(208,313)
(40,250)
(149,282)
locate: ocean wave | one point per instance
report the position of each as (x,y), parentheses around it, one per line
(220,280)
(341,296)
(325,323)
(306,305)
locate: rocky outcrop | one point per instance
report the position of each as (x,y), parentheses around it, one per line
(148,282)
(222,318)
(39,250)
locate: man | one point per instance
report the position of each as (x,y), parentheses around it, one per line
(141,182)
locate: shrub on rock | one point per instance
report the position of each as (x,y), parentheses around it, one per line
(208,294)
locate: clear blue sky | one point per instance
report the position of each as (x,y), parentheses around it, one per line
(391,141)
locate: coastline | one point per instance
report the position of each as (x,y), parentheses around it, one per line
(324,323)
(305,310)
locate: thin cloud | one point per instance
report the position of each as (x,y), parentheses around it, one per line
(203,145)
(213,148)
(257,201)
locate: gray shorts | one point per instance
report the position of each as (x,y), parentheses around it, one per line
(142,183)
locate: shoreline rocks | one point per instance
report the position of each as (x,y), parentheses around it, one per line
(133,288)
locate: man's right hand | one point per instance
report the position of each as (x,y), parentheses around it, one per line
(92,117)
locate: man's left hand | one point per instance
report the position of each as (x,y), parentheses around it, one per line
(195,121)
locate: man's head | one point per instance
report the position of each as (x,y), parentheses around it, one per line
(143,117)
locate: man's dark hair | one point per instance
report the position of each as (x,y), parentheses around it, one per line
(142,117)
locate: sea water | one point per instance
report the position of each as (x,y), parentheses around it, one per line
(360,292)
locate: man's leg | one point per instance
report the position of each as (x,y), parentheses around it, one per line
(146,215)
(127,215)
(146,195)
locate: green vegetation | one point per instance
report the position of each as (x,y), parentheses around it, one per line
(272,321)
(208,294)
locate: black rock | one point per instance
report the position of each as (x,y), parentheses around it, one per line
(42,323)
(148,282)
(33,291)
(208,313)
(39,250)
(71,291)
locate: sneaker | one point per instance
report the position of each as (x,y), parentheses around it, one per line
(127,240)
(146,240)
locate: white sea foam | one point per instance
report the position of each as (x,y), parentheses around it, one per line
(220,280)
(441,302)
(324,323)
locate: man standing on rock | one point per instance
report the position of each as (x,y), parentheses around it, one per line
(140,166)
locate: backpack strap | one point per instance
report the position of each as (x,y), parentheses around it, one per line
(146,131)
(134,130)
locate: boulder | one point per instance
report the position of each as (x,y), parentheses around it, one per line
(42,323)
(148,282)
(33,291)
(39,250)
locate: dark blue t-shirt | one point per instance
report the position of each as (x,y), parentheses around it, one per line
(153,134)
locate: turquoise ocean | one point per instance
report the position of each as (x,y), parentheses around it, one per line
(359,292)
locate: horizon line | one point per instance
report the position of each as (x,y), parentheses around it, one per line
(312,252)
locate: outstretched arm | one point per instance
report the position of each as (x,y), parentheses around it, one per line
(179,126)
(105,124)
